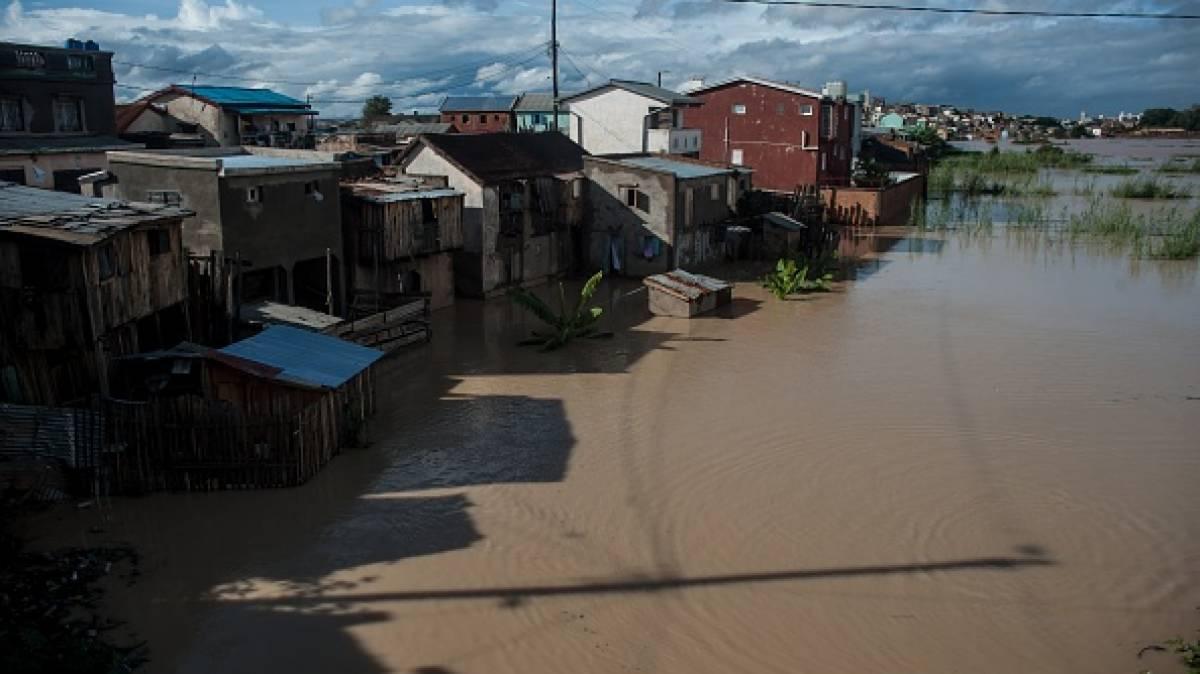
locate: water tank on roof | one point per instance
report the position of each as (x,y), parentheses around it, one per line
(835,89)
(91,45)
(72,43)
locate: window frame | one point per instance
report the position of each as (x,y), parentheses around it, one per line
(19,104)
(737,157)
(158,241)
(806,109)
(738,108)
(254,194)
(81,119)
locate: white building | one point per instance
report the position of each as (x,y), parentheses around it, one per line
(622,117)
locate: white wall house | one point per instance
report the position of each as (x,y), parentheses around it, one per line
(623,116)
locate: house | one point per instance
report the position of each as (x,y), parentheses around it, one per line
(522,204)
(479,114)
(56,114)
(536,113)
(400,237)
(652,213)
(83,280)
(267,411)
(222,116)
(623,116)
(274,211)
(789,135)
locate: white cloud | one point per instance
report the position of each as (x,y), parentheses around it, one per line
(420,50)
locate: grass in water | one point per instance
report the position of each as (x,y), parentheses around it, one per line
(1180,167)
(1110,170)
(1147,188)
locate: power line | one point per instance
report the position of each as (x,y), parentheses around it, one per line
(587,80)
(966,10)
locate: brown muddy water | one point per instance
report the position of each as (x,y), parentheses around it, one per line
(979,456)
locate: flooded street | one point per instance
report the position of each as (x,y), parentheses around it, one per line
(979,456)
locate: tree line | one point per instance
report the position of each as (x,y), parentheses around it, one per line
(1171,118)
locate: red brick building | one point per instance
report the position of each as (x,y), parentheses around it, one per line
(790,136)
(479,114)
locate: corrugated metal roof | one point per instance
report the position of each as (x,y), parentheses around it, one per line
(242,96)
(253,161)
(536,102)
(64,145)
(376,195)
(781,220)
(686,284)
(493,157)
(478,103)
(680,169)
(304,357)
(643,89)
(274,111)
(782,86)
(74,218)
(269,312)
(414,128)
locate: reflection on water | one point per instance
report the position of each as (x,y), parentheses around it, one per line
(977,456)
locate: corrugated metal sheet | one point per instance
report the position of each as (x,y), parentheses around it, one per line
(781,220)
(686,284)
(478,103)
(57,433)
(536,102)
(680,169)
(243,97)
(305,357)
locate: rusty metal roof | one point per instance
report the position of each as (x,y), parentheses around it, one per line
(686,285)
(493,157)
(73,218)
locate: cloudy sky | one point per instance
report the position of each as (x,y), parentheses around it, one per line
(341,51)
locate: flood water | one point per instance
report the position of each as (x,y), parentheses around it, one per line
(978,456)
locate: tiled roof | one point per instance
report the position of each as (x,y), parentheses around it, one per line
(478,104)
(493,157)
(73,218)
(301,357)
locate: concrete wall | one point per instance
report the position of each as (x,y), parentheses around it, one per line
(39,169)
(874,206)
(610,121)
(287,225)
(197,188)
(217,127)
(611,221)
(37,89)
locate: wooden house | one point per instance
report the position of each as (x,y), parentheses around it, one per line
(83,280)
(400,237)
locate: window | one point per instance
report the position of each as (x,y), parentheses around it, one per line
(739,109)
(291,127)
(159,241)
(465,119)
(28,58)
(106,258)
(779,109)
(804,139)
(81,63)
(12,115)
(806,110)
(68,114)
(169,197)
(312,187)
(714,192)
(483,119)
(184,127)
(428,212)
(822,161)
(635,198)
(254,195)
(828,128)
(496,118)
(736,158)
(846,112)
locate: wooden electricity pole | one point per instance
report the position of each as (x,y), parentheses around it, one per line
(554,57)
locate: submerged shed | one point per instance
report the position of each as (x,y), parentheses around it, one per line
(683,294)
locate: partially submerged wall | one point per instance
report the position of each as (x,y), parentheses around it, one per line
(873,205)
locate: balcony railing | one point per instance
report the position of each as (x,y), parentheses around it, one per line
(673,141)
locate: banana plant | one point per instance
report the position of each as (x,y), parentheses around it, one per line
(789,278)
(575,323)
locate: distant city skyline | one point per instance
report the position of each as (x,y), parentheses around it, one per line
(340,53)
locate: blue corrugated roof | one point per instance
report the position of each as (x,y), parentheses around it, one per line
(478,103)
(242,96)
(305,357)
(681,169)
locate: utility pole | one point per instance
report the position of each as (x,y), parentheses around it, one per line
(660,74)
(554,57)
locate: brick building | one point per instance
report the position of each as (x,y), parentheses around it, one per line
(788,135)
(480,114)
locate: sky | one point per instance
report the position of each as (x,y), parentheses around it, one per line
(339,52)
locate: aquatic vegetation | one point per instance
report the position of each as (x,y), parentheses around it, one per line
(1027,186)
(1173,236)
(1026,215)
(1178,166)
(1188,652)
(1109,169)
(1086,189)
(1147,188)
(1164,234)
(1109,220)
(790,278)
(578,322)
